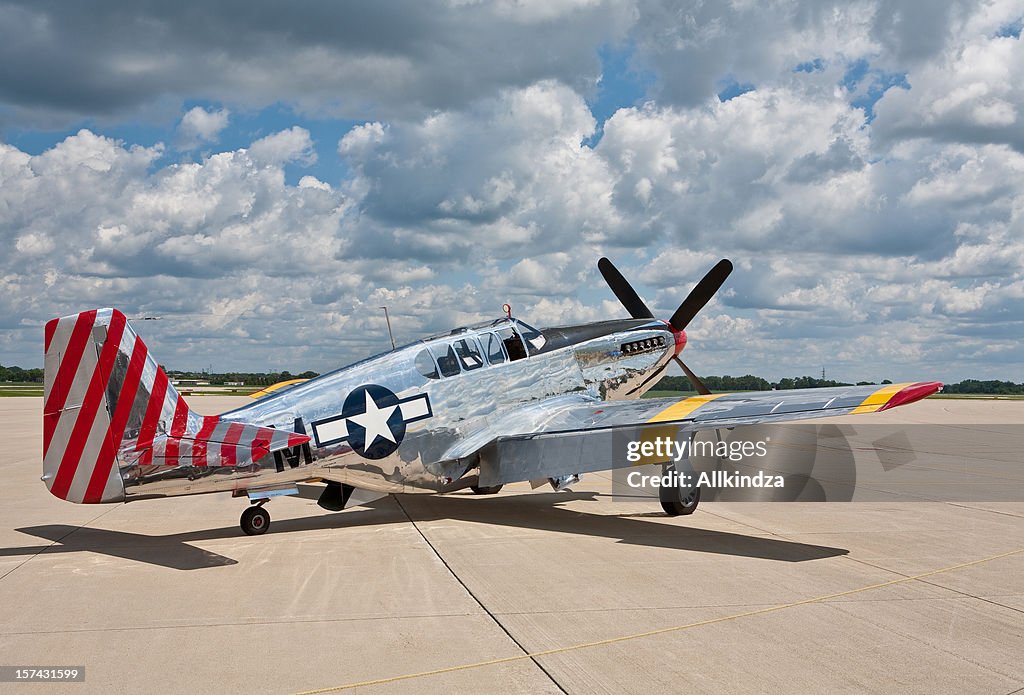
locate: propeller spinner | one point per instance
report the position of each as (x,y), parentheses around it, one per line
(699,296)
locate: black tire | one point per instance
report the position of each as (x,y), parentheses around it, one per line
(679,502)
(255,521)
(493,490)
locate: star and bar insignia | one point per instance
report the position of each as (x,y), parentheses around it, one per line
(373,421)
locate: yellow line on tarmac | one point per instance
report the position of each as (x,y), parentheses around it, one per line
(661,631)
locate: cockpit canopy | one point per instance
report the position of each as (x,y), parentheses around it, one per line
(478,346)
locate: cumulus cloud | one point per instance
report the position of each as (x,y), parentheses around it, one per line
(292,145)
(199,126)
(356,60)
(972,93)
(98,226)
(882,240)
(692,47)
(686,174)
(479,183)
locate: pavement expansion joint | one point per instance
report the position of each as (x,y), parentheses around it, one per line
(480,603)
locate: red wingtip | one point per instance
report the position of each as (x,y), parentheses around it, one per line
(914,392)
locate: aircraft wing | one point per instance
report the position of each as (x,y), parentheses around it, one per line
(576,434)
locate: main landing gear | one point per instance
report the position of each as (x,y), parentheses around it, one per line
(678,500)
(255,520)
(492,490)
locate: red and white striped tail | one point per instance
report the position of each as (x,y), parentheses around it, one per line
(109,410)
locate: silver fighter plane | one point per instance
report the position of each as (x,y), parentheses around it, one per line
(492,403)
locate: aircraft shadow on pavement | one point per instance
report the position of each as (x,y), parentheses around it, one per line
(526,511)
(171,551)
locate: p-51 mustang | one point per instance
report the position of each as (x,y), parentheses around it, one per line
(493,403)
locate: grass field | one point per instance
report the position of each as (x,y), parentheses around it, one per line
(669,394)
(17,388)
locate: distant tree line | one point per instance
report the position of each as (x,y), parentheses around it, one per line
(19,374)
(749,382)
(248,378)
(976,386)
(810,382)
(716,383)
(9,374)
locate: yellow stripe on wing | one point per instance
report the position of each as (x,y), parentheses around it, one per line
(880,397)
(682,409)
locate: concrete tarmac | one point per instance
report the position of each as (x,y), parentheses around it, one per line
(170,596)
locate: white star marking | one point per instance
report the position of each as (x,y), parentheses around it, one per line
(375,422)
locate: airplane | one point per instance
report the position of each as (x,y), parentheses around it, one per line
(481,406)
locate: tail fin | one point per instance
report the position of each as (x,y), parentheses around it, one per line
(109,409)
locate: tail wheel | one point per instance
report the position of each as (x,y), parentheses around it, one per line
(677,501)
(492,490)
(255,521)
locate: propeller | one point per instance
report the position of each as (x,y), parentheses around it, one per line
(699,296)
(694,379)
(623,291)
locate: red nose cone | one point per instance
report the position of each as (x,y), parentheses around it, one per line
(680,337)
(680,340)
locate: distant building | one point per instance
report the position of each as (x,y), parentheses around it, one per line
(234,383)
(189,382)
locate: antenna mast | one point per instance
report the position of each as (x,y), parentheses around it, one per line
(388,319)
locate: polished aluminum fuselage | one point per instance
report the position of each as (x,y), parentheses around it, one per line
(577,362)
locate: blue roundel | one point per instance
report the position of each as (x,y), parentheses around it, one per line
(375,424)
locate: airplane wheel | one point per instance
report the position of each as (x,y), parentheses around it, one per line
(493,490)
(678,502)
(255,521)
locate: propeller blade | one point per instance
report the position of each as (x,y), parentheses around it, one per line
(700,295)
(624,292)
(694,379)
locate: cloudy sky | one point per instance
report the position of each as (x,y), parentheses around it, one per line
(264,178)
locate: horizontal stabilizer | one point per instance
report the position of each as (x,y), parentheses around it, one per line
(219,443)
